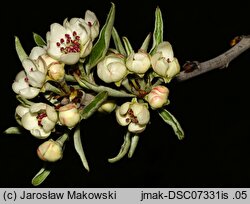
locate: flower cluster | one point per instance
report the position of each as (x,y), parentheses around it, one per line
(57,87)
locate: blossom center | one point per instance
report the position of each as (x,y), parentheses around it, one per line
(131,116)
(69,44)
(40,117)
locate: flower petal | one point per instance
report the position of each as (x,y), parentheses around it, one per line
(51,113)
(21,110)
(136,128)
(70,58)
(122,120)
(36,78)
(29,92)
(47,124)
(29,121)
(36,52)
(39,133)
(36,107)
(124,108)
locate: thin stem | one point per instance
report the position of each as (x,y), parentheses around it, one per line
(221,61)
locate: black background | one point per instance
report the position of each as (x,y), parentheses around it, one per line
(213,109)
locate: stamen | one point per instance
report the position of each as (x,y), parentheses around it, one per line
(58,44)
(90,24)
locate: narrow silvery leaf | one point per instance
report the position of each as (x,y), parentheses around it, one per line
(40,176)
(79,148)
(100,48)
(39,40)
(118,43)
(14,130)
(134,143)
(19,49)
(128,46)
(111,92)
(124,149)
(146,42)
(49,87)
(172,121)
(94,105)
(158,30)
(25,102)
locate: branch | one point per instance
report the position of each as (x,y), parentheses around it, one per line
(193,69)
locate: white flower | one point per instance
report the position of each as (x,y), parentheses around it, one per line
(135,115)
(70,42)
(45,64)
(50,151)
(39,119)
(158,97)
(164,63)
(69,115)
(138,62)
(93,23)
(35,77)
(21,86)
(29,82)
(112,68)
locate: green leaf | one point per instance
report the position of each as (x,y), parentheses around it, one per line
(124,149)
(39,40)
(128,46)
(79,148)
(25,102)
(40,176)
(14,130)
(118,43)
(19,49)
(111,92)
(172,121)
(146,42)
(100,48)
(134,143)
(158,30)
(94,105)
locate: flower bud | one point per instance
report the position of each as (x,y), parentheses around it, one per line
(157,97)
(50,151)
(164,63)
(112,68)
(56,71)
(69,115)
(107,107)
(139,62)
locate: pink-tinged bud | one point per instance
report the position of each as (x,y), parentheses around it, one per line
(157,97)
(69,115)
(50,151)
